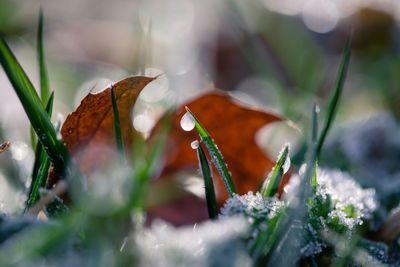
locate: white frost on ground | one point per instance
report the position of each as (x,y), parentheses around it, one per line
(350,203)
(253,205)
(346,196)
(212,243)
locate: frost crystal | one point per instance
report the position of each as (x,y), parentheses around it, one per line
(212,243)
(350,203)
(339,203)
(254,206)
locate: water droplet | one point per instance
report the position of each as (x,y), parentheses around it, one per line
(187,122)
(194,144)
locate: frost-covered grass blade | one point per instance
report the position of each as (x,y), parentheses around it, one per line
(208,183)
(283,249)
(216,156)
(271,184)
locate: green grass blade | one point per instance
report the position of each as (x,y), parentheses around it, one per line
(117,124)
(40,181)
(44,81)
(146,161)
(34,109)
(266,238)
(271,185)
(39,152)
(314,135)
(41,164)
(216,156)
(336,95)
(208,183)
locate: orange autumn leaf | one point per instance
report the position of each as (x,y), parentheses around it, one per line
(89,132)
(4,146)
(233,127)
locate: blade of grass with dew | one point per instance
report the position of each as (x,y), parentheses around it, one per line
(336,95)
(33,107)
(40,121)
(208,183)
(117,124)
(271,185)
(41,165)
(39,152)
(216,156)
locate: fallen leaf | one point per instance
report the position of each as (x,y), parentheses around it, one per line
(89,132)
(4,146)
(233,127)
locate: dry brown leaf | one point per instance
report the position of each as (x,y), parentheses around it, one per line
(89,132)
(233,127)
(4,146)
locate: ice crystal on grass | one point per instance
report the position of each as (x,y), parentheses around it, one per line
(339,203)
(339,199)
(351,204)
(212,243)
(252,205)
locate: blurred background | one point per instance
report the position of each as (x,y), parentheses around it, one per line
(273,54)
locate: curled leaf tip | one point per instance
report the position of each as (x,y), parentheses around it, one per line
(156,77)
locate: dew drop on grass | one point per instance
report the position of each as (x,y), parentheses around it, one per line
(187,122)
(194,144)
